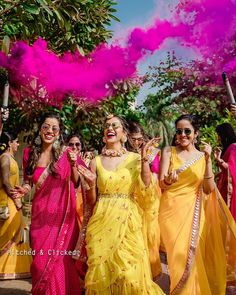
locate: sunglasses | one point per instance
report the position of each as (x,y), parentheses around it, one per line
(114,125)
(140,139)
(186,131)
(46,127)
(77,144)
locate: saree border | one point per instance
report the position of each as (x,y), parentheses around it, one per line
(189,163)
(192,248)
(229,188)
(9,276)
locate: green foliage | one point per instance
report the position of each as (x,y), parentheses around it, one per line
(87,120)
(66,25)
(182,89)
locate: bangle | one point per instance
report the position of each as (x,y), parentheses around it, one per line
(208,177)
(166,183)
(144,159)
(27,188)
(90,187)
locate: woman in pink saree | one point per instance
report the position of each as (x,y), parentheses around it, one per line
(54,228)
(226,160)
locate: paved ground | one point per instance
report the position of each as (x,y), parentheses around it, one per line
(23,287)
(15,287)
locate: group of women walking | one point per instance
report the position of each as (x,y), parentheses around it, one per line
(128,214)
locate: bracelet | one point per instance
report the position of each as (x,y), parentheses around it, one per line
(27,187)
(144,159)
(166,183)
(208,177)
(90,187)
(220,161)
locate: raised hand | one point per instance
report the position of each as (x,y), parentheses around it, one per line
(72,157)
(217,153)
(171,178)
(89,176)
(148,147)
(206,149)
(233,109)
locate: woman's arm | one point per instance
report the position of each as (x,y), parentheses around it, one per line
(208,182)
(5,174)
(145,166)
(89,176)
(166,178)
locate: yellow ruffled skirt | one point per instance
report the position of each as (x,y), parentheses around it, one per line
(118,261)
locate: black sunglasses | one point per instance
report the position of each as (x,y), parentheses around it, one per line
(186,131)
(77,144)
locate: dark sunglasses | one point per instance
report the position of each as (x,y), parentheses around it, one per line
(186,131)
(77,144)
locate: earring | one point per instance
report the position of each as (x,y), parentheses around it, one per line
(124,139)
(104,139)
(56,144)
(195,140)
(38,140)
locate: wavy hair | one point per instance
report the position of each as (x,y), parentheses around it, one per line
(36,147)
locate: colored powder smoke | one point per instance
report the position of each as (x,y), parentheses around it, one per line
(206,25)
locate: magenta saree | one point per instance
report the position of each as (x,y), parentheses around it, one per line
(227,179)
(54,232)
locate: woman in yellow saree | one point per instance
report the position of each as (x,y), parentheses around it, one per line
(194,220)
(15,255)
(122,228)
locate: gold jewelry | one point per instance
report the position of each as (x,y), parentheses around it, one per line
(90,187)
(166,183)
(208,177)
(113,153)
(144,159)
(27,188)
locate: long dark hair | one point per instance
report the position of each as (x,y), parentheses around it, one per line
(5,139)
(135,127)
(227,135)
(193,120)
(36,147)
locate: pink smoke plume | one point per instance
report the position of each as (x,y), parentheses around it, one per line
(88,77)
(207,25)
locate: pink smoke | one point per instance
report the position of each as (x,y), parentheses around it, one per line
(203,24)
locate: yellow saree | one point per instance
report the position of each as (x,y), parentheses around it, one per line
(15,254)
(195,229)
(122,228)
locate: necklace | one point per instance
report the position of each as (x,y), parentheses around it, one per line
(113,153)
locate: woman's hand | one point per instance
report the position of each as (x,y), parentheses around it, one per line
(217,154)
(206,149)
(233,109)
(89,176)
(72,157)
(18,192)
(148,147)
(171,178)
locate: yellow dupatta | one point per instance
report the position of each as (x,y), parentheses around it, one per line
(193,232)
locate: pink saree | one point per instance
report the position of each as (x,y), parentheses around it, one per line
(54,233)
(227,179)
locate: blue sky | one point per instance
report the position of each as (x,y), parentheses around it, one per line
(140,13)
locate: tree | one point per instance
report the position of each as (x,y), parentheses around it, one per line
(66,25)
(184,88)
